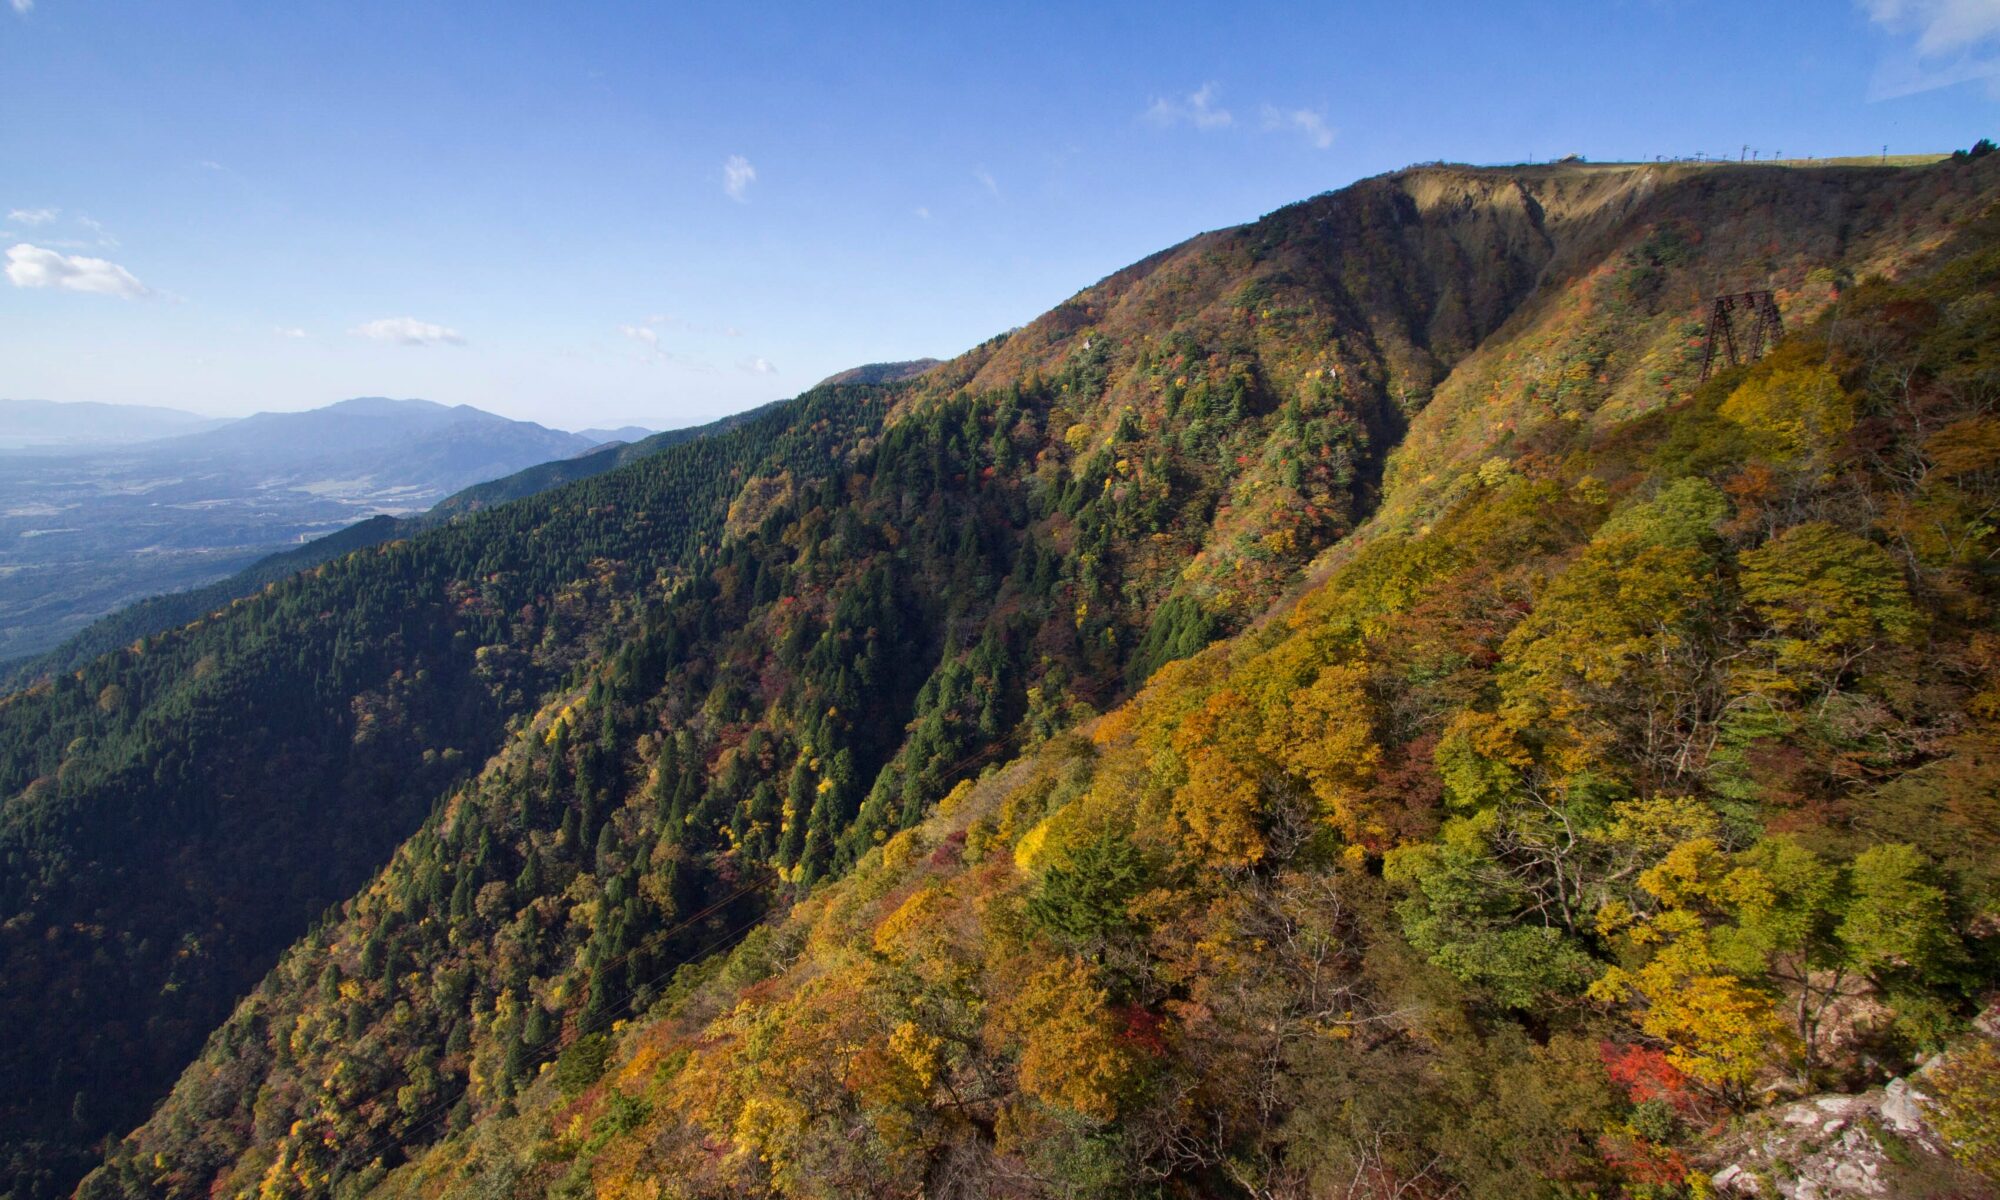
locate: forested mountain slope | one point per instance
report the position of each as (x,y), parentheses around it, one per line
(1644,781)
(157,614)
(182,810)
(543,476)
(881,372)
(732,668)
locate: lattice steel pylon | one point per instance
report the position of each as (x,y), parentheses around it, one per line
(1765,329)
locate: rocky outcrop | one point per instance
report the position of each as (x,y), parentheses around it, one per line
(1840,1147)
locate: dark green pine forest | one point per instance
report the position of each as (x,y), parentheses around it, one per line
(891,792)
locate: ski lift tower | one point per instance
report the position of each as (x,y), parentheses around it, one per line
(1744,326)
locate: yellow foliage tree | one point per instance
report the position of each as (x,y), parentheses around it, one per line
(1596,668)
(1071,1054)
(1218,807)
(1829,595)
(1793,413)
(1719,1029)
(1326,736)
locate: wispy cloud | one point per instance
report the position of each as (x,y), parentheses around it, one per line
(648,331)
(737,176)
(1308,122)
(1941,26)
(290,331)
(1201,109)
(651,335)
(1946,42)
(23,7)
(923,212)
(408,331)
(71,231)
(757,365)
(646,335)
(1197,108)
(97,230)
(986,180)
(37,267)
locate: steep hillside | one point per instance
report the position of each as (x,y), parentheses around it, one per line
(158,614)
(181,810)
(1571,842)
(727,671)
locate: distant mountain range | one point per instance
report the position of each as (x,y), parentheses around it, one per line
(170,610)
(379,449)
(32,424)
(104,505)
(624,433)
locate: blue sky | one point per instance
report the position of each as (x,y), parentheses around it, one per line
(593,213)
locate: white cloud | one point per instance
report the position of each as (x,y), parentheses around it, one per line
(408,331)
(986,180)
(33,216)
(1197,108)
(923,212)
(23,6)
(737,176)
(1309,123)
(1950,42)
(36,267)
(290,331)
(758,366)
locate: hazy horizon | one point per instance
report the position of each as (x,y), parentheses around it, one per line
(309,405)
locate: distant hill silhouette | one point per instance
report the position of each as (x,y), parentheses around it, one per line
(882,372)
